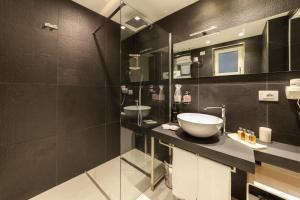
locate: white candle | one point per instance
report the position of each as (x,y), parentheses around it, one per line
(265,134)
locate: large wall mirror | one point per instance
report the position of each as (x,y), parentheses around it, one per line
(268,45)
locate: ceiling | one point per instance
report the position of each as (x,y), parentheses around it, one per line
(153,10)
(103,7)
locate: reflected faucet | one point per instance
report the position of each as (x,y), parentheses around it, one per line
(223,109)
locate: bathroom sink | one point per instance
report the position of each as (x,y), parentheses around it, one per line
(199,125)
(132,111)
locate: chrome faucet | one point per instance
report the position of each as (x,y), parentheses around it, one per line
(223,109)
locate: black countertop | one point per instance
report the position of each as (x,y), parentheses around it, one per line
(218,148)
(133,125)
(279,154)
(224,150)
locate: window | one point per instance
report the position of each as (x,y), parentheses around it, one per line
(229,60)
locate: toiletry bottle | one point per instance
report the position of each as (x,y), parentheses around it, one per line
(247,135)
(252,138)
(243,134)
(240,132)
(177,94)
(187,98)
(161,95)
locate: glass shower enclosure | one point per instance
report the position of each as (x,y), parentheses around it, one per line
(144,97)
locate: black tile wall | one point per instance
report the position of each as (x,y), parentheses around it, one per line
(243,107)
(28,112)
(27,169)
(80,152)
(112,111)
(283,117)
(239,98)
(55,90)
(113,140)
(79,107)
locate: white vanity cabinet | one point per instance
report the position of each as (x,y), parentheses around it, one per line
(196,177)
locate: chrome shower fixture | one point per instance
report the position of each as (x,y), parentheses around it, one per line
(50,26)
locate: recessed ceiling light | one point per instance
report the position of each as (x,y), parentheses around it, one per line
(207,42)
(241,34)
(123,27)
(137,18)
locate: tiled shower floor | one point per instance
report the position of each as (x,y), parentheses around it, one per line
(135,185)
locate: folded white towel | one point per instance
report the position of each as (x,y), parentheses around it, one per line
(170,127)
(199,178)
(184,178)
(214,180)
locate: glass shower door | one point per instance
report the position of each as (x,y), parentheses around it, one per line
(144,99)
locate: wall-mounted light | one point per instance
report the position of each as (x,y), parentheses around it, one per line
(137,18)
(204,32)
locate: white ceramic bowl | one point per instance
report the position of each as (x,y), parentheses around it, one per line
(132,111)
(200,125)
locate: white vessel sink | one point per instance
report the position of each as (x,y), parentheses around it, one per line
(199,125)
(132,111)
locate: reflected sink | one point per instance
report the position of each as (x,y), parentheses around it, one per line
(199,125)
(132,111)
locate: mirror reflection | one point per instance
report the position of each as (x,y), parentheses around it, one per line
(260,46)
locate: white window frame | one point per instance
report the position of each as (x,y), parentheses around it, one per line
(240,48)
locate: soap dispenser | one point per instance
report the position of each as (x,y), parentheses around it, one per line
(177,94)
